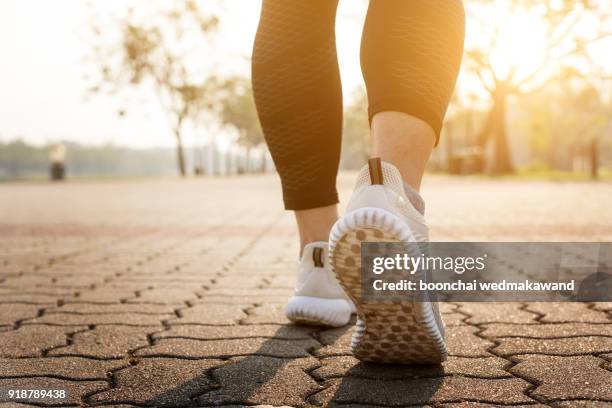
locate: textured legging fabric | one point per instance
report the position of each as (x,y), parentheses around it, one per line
(410,56)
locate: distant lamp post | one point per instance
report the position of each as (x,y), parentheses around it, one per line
(57,156)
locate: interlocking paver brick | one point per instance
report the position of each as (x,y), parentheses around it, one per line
(27,281)
(352,390)
(242,331)
(105,295)
(71,319)
(10,313)
(273,292)
(32,340)
(559,378)
(254,298)
(75,368)
(556,312)
(248,282)
(496,313)
(30,297)
(564,346)
(582,403)
(462,341)
(165,296)
(107,341)
(229,347)
(263,380)
(267,314)
(485,405)
(603,306)
(453,319)
(552,330)
(109,308)
(336,342)
(211,314)
(159,382)
(489,367)
(75,390)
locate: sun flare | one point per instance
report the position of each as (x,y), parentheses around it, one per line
(520,46)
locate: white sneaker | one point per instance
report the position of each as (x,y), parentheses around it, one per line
(318,298)
(379,211)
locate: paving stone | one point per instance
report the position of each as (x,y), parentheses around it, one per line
(564,346)
(263,380)
(603,306)
(484,405)
(333,367)
(453,319)
(10,313)
(164,296)
(253,298)
(69,319)
(211,314)
(242,331)
(189,348)
(159,382)
(336,341)
(561,312)
(562,378)
(267,314)
(107,341)
(499,312)
(247,282)
(30,297)
(27,281)
(76,368)
(552,330)
(352,390)
(265,292)
(75,390)
(32,340)
(462,341)
(585,404)
(106,308)
(105,295)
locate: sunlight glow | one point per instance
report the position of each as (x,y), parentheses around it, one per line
(520,47)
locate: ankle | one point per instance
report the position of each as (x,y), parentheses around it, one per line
(315,224)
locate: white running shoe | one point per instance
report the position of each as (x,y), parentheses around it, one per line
(407,331)
(318,298)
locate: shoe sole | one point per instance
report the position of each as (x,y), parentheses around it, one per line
(404,332)
(316,311)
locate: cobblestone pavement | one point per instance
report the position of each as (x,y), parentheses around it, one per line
(153,293)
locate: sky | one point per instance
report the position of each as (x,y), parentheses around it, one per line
(42,87)
(43,94)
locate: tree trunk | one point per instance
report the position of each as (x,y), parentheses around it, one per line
(247,164)
(180,156)
(263,167)
(502,158)
(594,159)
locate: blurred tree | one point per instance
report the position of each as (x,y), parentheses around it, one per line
(236,108)
(520,46)
(157,50)
(563,141)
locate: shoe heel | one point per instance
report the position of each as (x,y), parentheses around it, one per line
(404,332)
